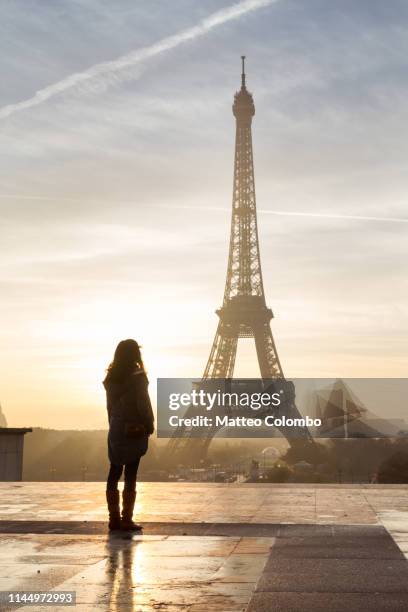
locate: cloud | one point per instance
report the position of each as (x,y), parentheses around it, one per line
(110,72)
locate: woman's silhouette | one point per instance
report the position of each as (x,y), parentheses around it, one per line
(131,422)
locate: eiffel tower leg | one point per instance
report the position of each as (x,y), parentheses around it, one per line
(220,365)
(270,368)
(268,359)
(221,361)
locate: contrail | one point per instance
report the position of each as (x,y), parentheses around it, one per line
(333,216)
(262,211)
(288,213)
(106,73)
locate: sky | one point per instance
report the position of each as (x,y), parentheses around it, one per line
(117,142)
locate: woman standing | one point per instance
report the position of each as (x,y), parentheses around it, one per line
(131,422)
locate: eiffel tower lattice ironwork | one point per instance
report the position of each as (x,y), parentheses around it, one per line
(244,313)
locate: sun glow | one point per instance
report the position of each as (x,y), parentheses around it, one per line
(71,349)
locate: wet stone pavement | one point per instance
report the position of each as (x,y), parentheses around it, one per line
(215,547)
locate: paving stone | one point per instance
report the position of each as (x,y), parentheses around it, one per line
(151,528)
(206,546)
(166,572)
(334,575)
(207,502)
(337,547)
(328,602)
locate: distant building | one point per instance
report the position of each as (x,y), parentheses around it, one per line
(11,452)
(343,415)
(3,421)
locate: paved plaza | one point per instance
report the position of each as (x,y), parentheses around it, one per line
(220,547)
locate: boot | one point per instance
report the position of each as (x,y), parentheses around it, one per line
(112,498)
(128,499)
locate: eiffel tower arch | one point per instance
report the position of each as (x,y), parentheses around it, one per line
(244,313)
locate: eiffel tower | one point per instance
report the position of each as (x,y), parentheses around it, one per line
(244,313)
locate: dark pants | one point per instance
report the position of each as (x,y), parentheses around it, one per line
(115,473)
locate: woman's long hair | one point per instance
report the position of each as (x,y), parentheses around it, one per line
(126,360)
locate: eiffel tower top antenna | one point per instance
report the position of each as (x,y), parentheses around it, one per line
(243,72)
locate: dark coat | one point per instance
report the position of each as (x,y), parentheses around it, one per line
(128,404)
